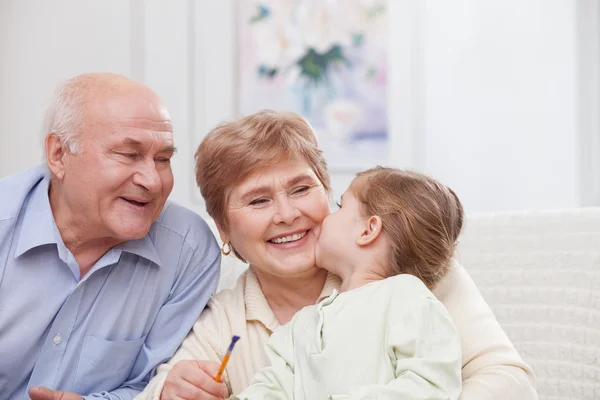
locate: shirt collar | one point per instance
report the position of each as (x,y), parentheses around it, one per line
(142,247)
(257,307)
(39,228)
(333,282)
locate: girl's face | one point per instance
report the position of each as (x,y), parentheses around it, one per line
(339,232)
(272,218)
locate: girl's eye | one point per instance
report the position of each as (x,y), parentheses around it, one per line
(338,204)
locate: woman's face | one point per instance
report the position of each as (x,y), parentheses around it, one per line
(272,215)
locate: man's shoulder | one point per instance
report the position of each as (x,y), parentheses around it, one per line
(15,188)
(187,224)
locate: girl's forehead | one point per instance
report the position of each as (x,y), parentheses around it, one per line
(357,185)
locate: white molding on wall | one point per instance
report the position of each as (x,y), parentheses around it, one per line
(588,18)
(406,92)
(213,68)
(137,30)
(192,192)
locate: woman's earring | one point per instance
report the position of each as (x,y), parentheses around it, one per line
(228,251)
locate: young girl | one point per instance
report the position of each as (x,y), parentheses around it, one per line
(384,335)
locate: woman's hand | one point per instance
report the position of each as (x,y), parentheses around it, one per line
(193,380)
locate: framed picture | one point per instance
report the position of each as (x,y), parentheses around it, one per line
(326,60)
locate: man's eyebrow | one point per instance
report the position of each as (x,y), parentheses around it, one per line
(133,142)
(169,149)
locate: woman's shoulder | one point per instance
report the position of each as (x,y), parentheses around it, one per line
(224,313)
(230,299)
(458,292)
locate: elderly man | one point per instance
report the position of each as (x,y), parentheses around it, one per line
(100,277)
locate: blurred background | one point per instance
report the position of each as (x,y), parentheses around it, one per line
(498,99)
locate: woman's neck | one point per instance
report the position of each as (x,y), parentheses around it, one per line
(287,295)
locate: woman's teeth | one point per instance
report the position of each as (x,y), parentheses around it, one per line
(291,238)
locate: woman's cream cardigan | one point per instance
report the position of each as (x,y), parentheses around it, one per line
(492,368)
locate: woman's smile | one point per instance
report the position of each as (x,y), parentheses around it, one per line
(289,240)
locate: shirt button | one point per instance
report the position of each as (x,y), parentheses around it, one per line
(57,339)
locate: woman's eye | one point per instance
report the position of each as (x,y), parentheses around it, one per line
(163,160)
(301,189)
(130,155)
(258,202)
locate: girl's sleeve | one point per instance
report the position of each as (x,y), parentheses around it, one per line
(275,382)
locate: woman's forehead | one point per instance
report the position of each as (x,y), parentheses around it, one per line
(281,174)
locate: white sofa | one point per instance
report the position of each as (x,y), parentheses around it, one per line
(540,273)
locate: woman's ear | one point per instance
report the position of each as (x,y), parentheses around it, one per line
(371,232)
(222,234)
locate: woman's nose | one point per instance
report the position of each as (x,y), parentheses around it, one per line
(286,212)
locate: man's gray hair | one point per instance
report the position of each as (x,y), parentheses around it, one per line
(64,115)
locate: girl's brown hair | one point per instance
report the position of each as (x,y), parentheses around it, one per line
(421,217)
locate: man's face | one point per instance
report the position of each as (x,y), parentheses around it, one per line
(120,180)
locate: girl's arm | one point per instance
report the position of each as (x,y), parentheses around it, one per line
(275,382)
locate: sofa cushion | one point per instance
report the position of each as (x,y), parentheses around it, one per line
(540,274)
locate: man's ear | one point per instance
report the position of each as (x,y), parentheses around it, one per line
(55,155)
(372,230)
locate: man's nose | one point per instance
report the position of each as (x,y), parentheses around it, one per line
(147,176)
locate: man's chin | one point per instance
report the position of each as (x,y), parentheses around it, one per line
(130,233)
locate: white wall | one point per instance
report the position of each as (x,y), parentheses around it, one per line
(42,43)
(500,88)
(486,95)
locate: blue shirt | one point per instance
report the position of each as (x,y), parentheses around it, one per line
(100,336)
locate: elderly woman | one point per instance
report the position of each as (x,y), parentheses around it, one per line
(266,185)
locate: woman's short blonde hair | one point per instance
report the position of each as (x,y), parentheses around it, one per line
(421,218)
(234,150)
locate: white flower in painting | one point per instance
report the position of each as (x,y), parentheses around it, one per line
(267,45)
(367,17)
(285,32)
(342,116)
(276,42)
(323,24)
(293,75)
